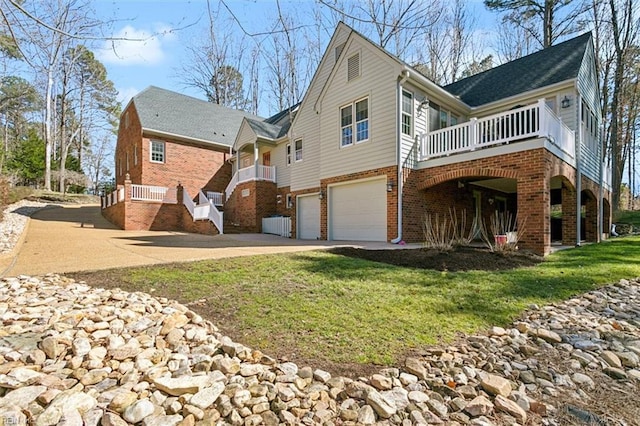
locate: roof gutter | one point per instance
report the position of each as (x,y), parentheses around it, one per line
(183,138)
(405,75)
(431,86)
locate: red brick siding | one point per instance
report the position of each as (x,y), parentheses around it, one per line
(192,165)
(245,213)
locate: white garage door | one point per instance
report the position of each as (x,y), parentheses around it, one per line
(308,217)
(358,211)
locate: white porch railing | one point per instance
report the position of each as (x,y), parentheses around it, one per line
(255,172)
(217,198)
(153,193)
(113,198)
(530,121)
(280,225)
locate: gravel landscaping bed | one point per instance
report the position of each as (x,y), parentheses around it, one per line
(72,354)
(14,220)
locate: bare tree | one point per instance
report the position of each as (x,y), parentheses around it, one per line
(624,35)
(44,31)
(546,20)
(513,42)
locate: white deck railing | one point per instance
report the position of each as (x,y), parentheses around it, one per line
(153,193)
(255,172)
(530,121)
(280,225)
(217,198)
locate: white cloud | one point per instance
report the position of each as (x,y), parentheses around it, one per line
(125,94)
(137,47)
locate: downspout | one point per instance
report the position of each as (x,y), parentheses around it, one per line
(405,76)
(601,191)
(578,168)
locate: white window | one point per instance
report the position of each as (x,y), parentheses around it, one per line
(358,127)
(127,157)
(439,118)
(298,150)
(407,112)
(288,154)
(135,155)
(157,152)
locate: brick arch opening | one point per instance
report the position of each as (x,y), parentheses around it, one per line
(466,173)
(563,205)
(589,216)
(474,200)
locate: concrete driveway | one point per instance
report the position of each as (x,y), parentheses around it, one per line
(75,238)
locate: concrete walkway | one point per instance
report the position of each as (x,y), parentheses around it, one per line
(74,238)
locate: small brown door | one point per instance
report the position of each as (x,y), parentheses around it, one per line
(266,158)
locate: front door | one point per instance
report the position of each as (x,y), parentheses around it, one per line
(266,158)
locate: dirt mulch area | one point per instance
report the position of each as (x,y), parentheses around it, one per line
(460,259)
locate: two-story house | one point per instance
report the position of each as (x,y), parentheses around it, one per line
(375,146)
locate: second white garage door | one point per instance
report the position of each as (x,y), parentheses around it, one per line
(358,211)
(308,217)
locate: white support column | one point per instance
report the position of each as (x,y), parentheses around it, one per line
(542,120)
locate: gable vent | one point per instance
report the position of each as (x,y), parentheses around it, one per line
(353,67)
(339,49)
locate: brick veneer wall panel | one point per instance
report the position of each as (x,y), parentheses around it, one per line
(115,214)
(153,216)
(246,213)
(190,165)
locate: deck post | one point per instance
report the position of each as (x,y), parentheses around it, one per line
(473,133)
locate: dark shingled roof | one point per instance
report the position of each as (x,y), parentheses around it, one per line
(164,111)
(549,66)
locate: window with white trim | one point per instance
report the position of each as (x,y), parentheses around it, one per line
(157,151)
(358,127)
(298,149)
(135,155)
(127,157)
(407,112)
(288,154)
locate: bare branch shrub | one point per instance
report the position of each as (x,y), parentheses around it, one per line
(504,231)
(445,233)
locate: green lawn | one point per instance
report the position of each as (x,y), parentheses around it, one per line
(629,217)
(338,309)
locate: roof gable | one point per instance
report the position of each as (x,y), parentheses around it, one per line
(552,65)
(165,112)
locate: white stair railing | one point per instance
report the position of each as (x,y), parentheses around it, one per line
(255,172)
(216,198)
(204,210)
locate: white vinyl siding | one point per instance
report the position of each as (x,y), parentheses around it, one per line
(288,154)
(378,86)
(419,123)
(588,87)
(278,159)
(306,174)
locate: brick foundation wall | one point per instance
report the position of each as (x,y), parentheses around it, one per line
(245,213)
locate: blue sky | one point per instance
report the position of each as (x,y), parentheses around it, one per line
(167,26)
